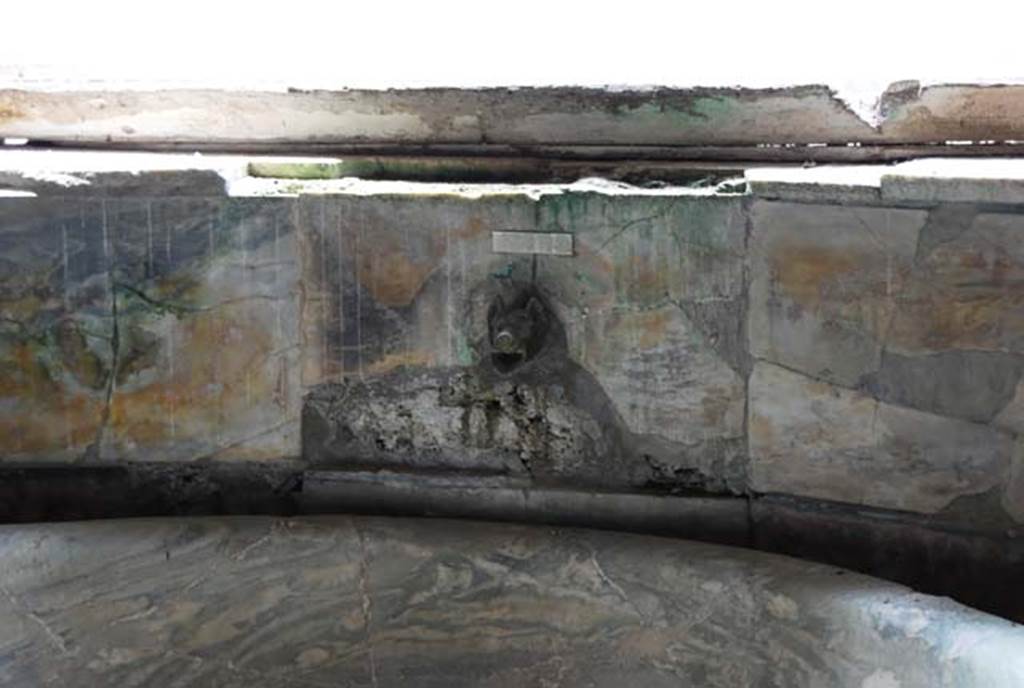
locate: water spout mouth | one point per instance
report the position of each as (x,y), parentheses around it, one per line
(517,329)
(506,363)
(509,352)
(505,342)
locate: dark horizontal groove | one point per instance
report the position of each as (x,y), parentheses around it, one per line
(983,570)
(710,518)
(738,153)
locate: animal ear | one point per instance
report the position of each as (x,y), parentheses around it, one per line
(497,308)
(536,310)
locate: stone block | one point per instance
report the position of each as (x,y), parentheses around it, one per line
(142,329)
(920,308)
(824,285)
(965,290)
(817,440)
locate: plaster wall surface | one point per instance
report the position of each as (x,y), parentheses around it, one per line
(850,342)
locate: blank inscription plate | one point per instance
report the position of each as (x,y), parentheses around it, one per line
(544,243)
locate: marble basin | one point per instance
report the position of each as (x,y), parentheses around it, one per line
(357,601)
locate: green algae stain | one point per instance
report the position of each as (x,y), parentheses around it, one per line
(136,300)
(402,168)
(565,212)
(463,351)
(700,111)
(505,272)
(298,170)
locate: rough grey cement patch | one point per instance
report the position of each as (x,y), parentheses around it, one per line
(814,439)
(380,602)
(554,424)
(974,385)
(454,420)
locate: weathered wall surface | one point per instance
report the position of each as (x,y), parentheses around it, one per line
(643,379)
(148,329)
(890,346)
(180,328)
(870,354)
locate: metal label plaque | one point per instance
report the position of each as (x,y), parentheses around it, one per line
(543,243)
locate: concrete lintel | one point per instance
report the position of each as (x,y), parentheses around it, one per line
(925,181)
(795,115)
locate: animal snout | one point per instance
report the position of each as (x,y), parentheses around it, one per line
(505,342)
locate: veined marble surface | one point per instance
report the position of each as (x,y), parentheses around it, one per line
(357,601)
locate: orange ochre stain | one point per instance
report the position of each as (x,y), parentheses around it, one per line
(220,373)
(8,113)
(761,430)
(393,278)
(47,417)
(472,229)
(804,272)
(618,333)
(23,309)
(715,404)
(394,274)
(964,113)
(975,269)
(59,423)
(392,271)
(653,326)
(945,320)
(641,279)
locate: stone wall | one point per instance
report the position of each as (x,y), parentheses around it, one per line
(890,349)
(853,349)
(643,378)
(148,329)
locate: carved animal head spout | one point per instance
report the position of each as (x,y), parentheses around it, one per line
(517,330)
